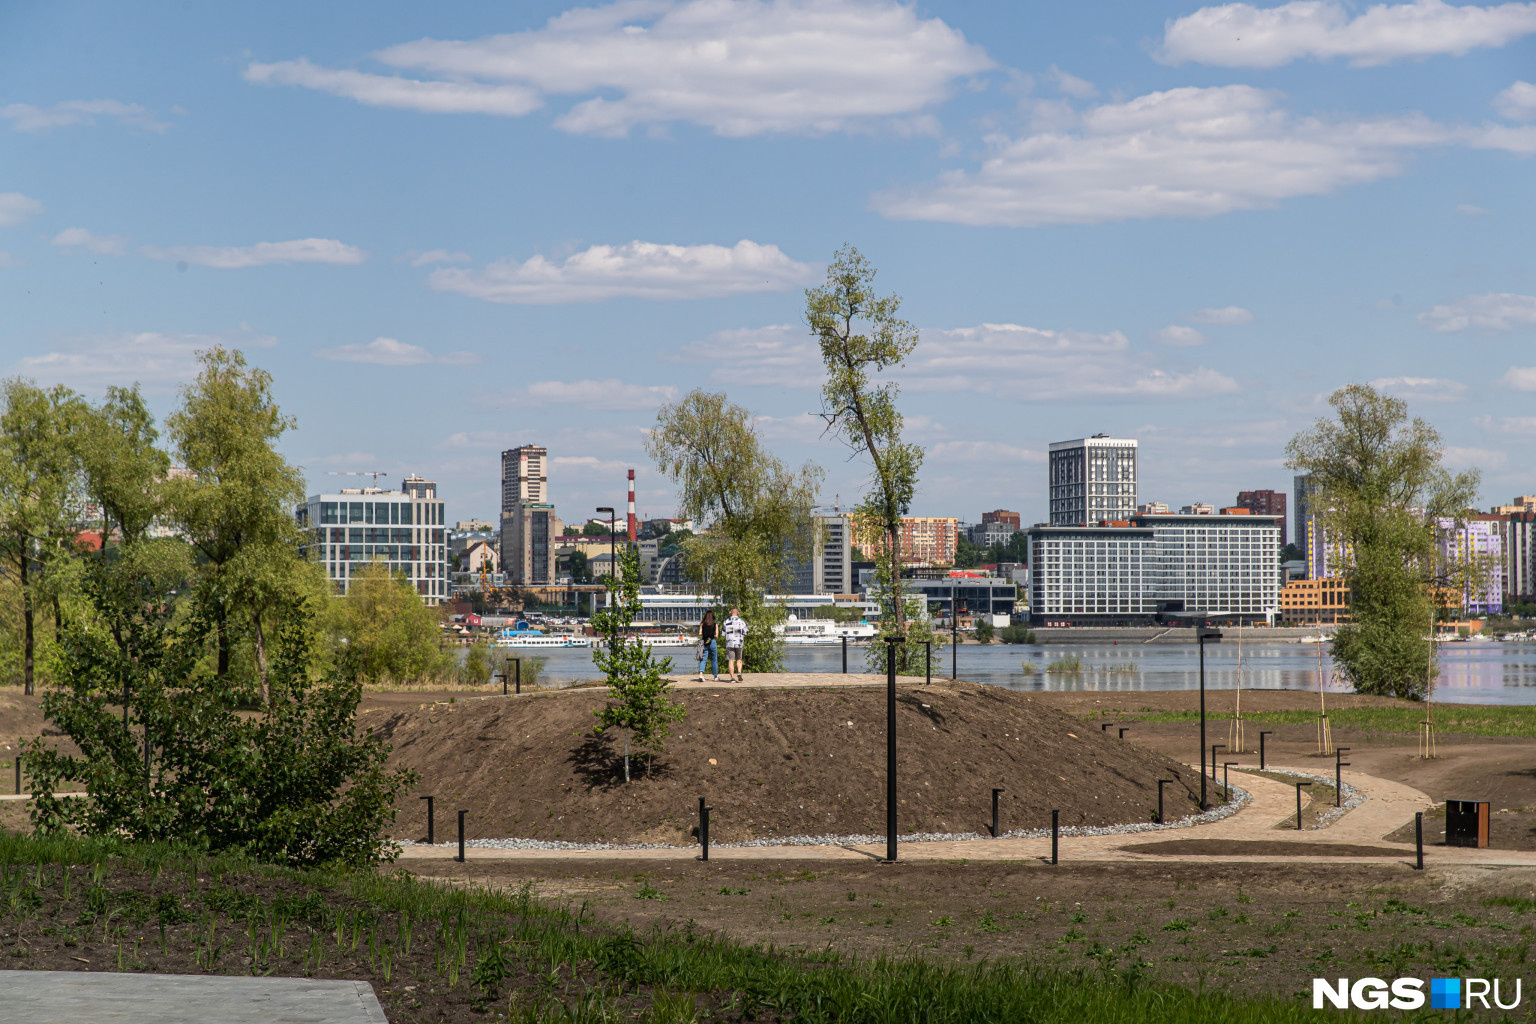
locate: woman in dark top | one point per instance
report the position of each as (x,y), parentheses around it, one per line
(707,648)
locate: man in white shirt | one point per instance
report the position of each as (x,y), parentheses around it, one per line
(735,630)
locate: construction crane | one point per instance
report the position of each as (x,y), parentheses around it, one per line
(375,474)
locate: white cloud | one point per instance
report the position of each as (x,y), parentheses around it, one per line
(641,270)
(1473,458)
(85,241)
(590,464)
(1518,102)
(15,208)
(1469,210)
(1179,336)
(736,67)
(1028,363)
(1515,426)
(780,355)
(236,257)
(24,117)
(1423,389)
(1519,378)
(594,394)
(1188,152)
(393,352)
(1224,316)
(402,93)
(435,256)
(156,360)
(1495,311)
(1242,35)
(1072,85)
(804,428)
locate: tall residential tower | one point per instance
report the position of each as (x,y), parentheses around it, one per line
(530,531)
(1092,479)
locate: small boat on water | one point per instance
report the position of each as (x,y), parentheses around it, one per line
(533,638)
(1321,638)
(818,632)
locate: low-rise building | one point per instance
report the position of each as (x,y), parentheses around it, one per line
(1322,602)
(478,557)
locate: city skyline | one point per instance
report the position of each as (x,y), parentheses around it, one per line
(445,236)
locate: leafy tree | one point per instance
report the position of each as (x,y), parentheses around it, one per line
(1293,553)
(639,694)
(1016,635)
(388,630)
(296,784)
(125,472)
(580,571)
(598,529)
(984,631)
(1380,490)
(967,555)
(862,338)
(754,510)
(477,667)
(39,499)
(235,501)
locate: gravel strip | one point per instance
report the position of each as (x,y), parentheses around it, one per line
(1240,798)
(1352,797)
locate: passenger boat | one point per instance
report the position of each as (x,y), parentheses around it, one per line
(815,632)
(532,638)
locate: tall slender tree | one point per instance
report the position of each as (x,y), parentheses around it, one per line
(40,498)
(236,498)
(124,471)
(862,336)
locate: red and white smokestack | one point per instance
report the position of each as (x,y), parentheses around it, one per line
(632,505)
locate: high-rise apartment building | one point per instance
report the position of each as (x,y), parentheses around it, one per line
(925,539)
(1266,503)
(1002,516)
(1092,479)
(530,530)
(401,530)
(1478,544)
(830,567)
(1301,506)
(1519,543)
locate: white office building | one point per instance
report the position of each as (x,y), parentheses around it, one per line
(1092,479)
(1169,568)
(402,530)
(1082,575)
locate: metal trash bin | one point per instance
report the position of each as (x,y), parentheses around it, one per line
(1466,822)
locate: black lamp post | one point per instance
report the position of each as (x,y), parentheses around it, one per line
(1201,632)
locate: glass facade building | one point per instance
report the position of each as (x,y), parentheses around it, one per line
(402,531)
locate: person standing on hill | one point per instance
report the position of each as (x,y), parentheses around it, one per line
(735,639)
(707,649)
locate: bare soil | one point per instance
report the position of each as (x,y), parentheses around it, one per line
(1509,828)
(772,763)
(1249,928)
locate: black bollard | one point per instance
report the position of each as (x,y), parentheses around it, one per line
(1123,730)
(1106,726)
(927,662)
(1055,833)
(1160,784)
(1261,747)
(1338,775)
(1215,747)
(18,773)
(1299,786)
(704,830)
(1226,785)
(460,857)
(995,790)
(1418,839)
(517,675)
(431,833)
(845,654)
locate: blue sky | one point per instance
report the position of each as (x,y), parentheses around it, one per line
(449,229)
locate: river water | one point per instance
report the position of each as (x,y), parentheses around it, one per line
(1470,673)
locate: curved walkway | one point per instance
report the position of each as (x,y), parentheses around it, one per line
(1387,806)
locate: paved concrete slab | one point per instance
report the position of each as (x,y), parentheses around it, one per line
(83,997)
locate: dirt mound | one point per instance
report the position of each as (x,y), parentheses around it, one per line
(772,763)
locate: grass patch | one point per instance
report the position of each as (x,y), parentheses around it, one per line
(1070,665)
(434,951)
(1476,721)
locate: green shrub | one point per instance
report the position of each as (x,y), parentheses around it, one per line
(1070,665)
(1016,635)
